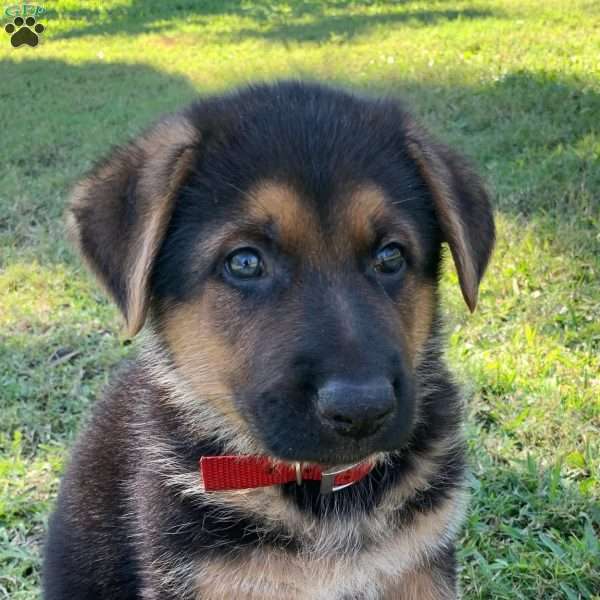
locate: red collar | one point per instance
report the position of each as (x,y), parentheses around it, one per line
(221,473)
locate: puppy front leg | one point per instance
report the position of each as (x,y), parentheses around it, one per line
(433,581)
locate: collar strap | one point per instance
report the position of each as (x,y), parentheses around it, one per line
(225,473)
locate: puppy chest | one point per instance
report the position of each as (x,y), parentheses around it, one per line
(263,575)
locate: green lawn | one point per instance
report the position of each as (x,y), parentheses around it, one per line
(514,83)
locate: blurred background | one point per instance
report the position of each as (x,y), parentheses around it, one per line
(514,84)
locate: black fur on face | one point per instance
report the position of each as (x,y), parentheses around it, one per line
(300,267)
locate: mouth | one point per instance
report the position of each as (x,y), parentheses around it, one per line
(326,459)
(318,447)
(343,462)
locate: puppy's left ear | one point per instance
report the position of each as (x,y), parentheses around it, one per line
(119,213)
(461,204)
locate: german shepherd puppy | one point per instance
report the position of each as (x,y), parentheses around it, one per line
(289,430)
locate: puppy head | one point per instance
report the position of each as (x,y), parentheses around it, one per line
(286,242)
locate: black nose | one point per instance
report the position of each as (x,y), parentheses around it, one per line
(356,409)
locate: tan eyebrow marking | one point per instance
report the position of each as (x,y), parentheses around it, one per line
(367,206)
(297,226)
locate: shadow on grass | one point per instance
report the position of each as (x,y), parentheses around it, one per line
(344,26)
(535,135)
(307,21)
(87,104)
(60,118)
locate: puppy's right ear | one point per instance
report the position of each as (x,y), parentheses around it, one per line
(119,213)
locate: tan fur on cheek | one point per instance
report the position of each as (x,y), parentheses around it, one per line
(417,309)
(423,314)
(203,356)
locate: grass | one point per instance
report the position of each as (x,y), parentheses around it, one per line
(514,83)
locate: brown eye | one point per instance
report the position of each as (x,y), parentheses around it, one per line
(244,263)
(389,259)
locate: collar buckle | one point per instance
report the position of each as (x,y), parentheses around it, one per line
(328,478)
(298,466)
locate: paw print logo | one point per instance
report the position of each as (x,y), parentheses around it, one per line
(24,31)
